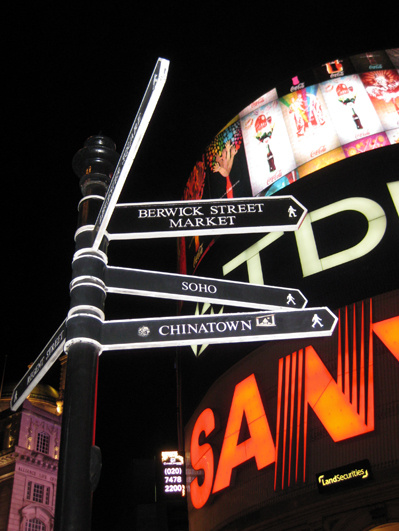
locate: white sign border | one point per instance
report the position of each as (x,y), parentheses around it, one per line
(139,127)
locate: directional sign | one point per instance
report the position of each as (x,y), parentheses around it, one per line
(205,217)
(220,328)
(40,366)
(200,289)
(131,147)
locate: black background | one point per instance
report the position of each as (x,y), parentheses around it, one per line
(72,72)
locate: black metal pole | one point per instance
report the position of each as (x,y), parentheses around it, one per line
(80,459)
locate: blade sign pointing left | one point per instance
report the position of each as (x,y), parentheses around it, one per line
(139,127)
(40,366)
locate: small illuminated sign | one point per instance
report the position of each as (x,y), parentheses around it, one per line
(173,474)
(351,475)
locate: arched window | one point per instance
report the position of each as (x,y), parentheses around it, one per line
(34,524)
(43,442)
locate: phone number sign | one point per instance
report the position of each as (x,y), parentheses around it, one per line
(173,474)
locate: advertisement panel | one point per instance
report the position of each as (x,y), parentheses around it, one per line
(350,108)
(309,125)
(318,113)
(267,146)
(343,251)
(225,165)
(318,118)
(294,422)
(382,87)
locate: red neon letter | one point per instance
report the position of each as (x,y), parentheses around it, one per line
(246,400)
(202,459)
(388,332)
(337,414)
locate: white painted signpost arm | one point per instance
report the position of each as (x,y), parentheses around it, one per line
(214,329)
(139,127)
(127,281)
(211,217)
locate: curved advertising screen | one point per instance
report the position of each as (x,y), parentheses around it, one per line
(327,114)
(315,137)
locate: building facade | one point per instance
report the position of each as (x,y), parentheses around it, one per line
(29,453)
(302,434)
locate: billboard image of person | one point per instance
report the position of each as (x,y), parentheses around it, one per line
(222,173)
(225,164)
(309,124)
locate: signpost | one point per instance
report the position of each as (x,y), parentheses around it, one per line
(212,329)
(205,217)
(200,289)
(84,334)
(39,367)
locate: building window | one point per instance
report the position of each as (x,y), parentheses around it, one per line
(34,525)
(38,491)
(47,500)
(43,442)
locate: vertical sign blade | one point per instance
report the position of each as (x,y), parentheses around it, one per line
(139,127)
(39,367)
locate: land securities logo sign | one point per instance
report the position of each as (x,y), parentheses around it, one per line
(351,475)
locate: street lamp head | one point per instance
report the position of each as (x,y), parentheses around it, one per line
(95,163)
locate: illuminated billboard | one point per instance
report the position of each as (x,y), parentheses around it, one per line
(343,251)
(332,112)
(294,421)
(282,428)
(317,125)
(339,110)
(327,114)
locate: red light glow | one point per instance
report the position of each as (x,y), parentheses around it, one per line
(246,401)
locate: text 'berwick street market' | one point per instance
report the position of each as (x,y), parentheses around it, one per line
(193,216)
(205,217)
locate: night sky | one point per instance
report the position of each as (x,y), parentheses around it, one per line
(69,73)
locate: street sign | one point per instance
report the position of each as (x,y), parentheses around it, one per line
(199,289)
(40,366)
(205,217)
(217,328)
(139,127)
